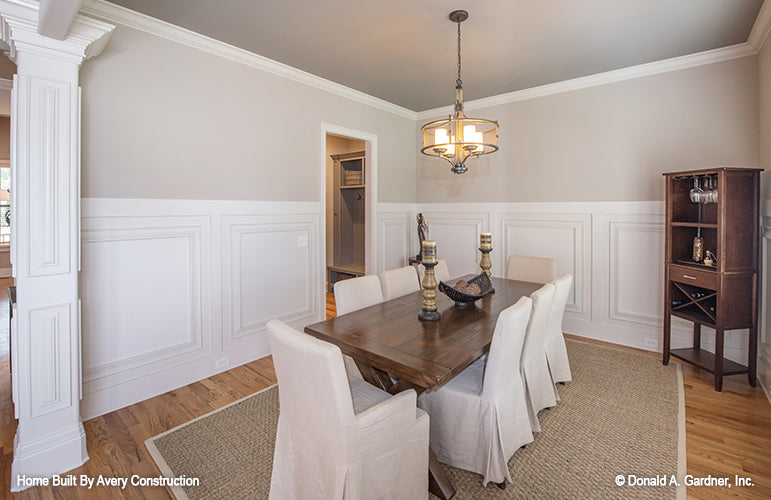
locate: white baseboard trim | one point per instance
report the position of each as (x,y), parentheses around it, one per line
(51,455)
(111,398)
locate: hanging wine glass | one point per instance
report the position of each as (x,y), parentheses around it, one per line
(695,193)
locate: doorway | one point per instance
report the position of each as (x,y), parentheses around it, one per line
(348,174)
(346,194)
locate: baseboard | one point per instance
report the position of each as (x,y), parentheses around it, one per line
(107,399)
(52,455)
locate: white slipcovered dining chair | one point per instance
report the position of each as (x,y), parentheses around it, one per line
(398,282)
(341,438)
(541,392)
(532,269)
(556,351)
(354,294)
(441,272)
(480,417)
(357,293)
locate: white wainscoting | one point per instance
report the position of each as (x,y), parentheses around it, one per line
(396,225)
(614,250)
(174,291)
(267,272)
(764,337)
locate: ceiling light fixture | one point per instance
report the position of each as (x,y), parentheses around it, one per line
(459,138)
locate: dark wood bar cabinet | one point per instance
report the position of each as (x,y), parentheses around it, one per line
(711,263)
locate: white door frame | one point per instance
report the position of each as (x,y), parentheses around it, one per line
(370,197)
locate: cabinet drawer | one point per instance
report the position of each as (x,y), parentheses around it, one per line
(691,276)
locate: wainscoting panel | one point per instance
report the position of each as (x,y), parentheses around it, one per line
(136,267)
(563,237)
(764,323)
(145,288)
(395,234)
(268,272)
(457,237)
(636,271)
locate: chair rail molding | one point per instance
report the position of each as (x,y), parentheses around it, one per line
(45,163)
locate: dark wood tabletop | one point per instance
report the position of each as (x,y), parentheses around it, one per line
(390,338)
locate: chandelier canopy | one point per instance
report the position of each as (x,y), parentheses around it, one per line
(459,138)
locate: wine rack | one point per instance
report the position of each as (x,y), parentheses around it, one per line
(724,294)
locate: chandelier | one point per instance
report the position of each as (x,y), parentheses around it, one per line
(459,138)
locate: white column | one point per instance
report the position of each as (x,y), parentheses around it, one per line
(45,162)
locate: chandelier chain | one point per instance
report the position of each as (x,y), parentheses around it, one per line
(458,82)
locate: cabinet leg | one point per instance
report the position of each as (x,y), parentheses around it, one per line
(719,359)
(753,356)
(667,334)
(697,335)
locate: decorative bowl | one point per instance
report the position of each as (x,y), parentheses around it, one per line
(462,299)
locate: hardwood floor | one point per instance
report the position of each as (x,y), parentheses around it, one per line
(728,433)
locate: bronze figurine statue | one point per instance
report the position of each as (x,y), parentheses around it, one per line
(422,235)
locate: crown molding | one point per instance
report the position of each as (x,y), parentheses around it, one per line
(116,14)
(761,28)
(619,75)
(106,11)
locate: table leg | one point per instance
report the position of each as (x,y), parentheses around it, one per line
(438,482)
(378,378)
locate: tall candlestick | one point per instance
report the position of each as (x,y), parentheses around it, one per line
(429,252)
(429,312)
(485,246)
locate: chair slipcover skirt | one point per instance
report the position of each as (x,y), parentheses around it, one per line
(540,388)
(340,439)
(556,351)
(480,417)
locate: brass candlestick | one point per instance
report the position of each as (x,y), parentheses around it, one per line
(429,312)
(485,263)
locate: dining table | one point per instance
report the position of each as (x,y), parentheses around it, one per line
(395,350)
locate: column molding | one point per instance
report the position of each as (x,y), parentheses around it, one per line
(45,249)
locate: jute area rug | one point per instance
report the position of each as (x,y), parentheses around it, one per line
(622,415)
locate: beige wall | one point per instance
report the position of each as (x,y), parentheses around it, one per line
(5,138)
(163,120)
(335,146)
(609,142)
(7,68)
(764,86)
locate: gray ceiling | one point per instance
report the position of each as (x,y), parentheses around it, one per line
(404,51)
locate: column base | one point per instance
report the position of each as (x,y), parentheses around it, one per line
(56,454)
